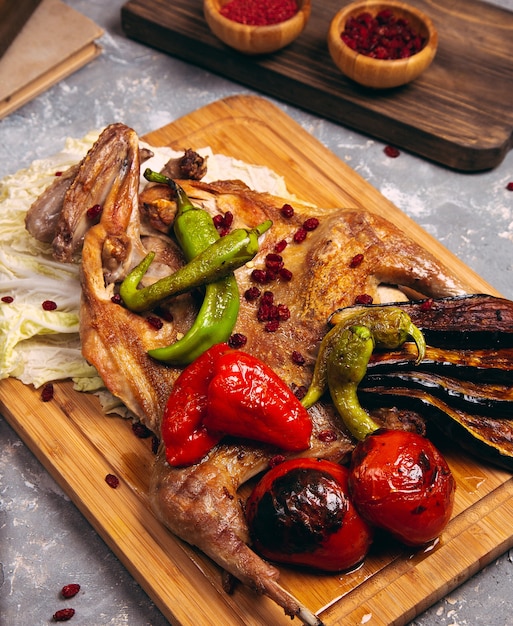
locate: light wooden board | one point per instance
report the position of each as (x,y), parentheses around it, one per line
(79,446)
(458,113)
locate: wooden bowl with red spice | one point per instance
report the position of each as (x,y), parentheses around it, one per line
(257,26)
(382,44)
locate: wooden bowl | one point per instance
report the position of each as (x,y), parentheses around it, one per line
(379,73)
(255,39)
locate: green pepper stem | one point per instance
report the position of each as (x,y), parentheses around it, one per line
(182,200)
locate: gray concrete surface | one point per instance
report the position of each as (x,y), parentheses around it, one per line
(45,542)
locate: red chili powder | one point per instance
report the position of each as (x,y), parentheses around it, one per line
(259,12)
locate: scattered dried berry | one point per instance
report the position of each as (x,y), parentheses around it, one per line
(260,276)
(391,152)
(356,260)
(141,431)
(223,223)
(285,274)
(116,299)
(49,305)
(252,294)
(509,186)
(280,246)
(237,340)
(7,299)
(71,590)
(112,481)
(276,460)
(94,212)
(300,235)
(327,435)
(272,326)
(287,211)
(47,392)
(58,174)
(298,358)
(63,615)
(310,224)
(427,305)
(363,299)
(155,321)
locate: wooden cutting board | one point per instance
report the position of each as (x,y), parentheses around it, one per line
(79,446)
(459,113)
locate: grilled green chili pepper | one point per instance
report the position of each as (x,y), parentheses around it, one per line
(195,230)
(220,259)
(390,328)
(346,367)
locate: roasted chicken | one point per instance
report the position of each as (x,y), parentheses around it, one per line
(200,504)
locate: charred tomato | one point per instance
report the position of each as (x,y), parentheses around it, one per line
(400,482)
(300,513)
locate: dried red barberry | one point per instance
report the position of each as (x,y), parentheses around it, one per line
(283,312)
(287,211)
(49,305)
(327,435)
(363,298)
(427,304)
(276,460)
(285,274)
(71,590)
(237,340)
(509,186)
(356,260)
(58,174)
(94,212)
(280,246)
(298,358)
(155,322)
(112,481)
(252,294)
(391,152)
(260,276)
(116,299)
(300,235)
(47,392)
(383,36)
(310,224)
(141,431)
(274,262)
(7,299)
(63,615)
(272,326)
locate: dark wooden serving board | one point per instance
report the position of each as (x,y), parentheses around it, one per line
(459,113)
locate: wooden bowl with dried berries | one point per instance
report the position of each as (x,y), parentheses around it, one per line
(382,44)
(256,27)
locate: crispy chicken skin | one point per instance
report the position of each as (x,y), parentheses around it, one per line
(200,504)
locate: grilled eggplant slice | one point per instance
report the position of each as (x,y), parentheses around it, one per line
(469,322)
(464,383)
(487,438)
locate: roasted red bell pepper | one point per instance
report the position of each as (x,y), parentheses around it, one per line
(229,392)
(247,399)
(185,438)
